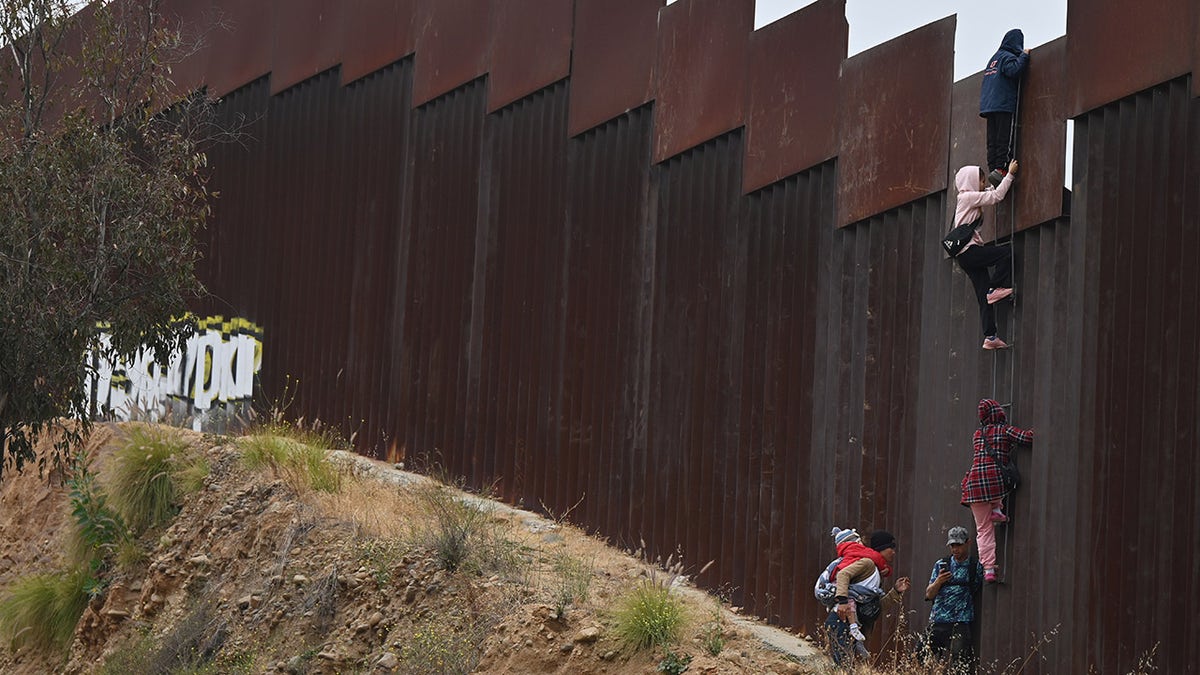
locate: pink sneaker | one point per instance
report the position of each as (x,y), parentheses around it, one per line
(994,343)
(990,575)
(999,517)
(997,294)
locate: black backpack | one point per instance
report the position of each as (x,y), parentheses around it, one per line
(956,240)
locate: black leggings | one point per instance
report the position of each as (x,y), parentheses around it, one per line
(975,261)
(999,135)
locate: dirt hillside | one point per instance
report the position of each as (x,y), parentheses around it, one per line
(260,574)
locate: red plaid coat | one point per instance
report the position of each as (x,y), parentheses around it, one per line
(982,483)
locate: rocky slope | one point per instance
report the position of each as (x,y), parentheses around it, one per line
(257,574)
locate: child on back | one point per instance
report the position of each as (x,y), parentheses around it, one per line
(976,257)
(858,563)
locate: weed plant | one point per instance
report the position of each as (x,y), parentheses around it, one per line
(455,530)
(301,465)
(41,610)
(673,663)
(439,646)
(649,615)
(143,484)
(573,581)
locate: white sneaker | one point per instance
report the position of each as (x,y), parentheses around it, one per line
(856,633)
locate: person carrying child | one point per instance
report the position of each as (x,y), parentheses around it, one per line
(983,485)
(998,99)
(861,567)
(976,257)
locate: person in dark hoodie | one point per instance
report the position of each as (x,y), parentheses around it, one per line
(977,257)
(998,100)
(982,488)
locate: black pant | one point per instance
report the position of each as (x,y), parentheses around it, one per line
(999,139)
(975,261)
(951,643)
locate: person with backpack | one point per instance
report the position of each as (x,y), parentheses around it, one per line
(999,96)
(868,595)
(953,585)
(983,486)
(976,257)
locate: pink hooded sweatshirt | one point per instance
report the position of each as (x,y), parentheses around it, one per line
(971,199)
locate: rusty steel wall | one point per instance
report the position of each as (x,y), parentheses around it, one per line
(705,353)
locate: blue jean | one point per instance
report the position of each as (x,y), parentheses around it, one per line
(841,644)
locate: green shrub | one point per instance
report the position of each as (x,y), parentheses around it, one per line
(41,610)
(99,531)
(649,616)
(674,664)
(455,528)
(143,488)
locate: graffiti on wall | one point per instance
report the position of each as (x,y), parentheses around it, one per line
(215,370)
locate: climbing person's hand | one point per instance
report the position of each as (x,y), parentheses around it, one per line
(902,584)
(1012,166)
(843,611)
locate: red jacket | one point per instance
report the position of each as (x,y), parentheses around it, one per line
(852,552)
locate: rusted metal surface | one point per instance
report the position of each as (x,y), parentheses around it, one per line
(895,121)
(612,68)
(511,422)
(531,48)
(308,40)
(194,20)
(1137,199)
(700,72)
(241,51)
(1042,139)
(1101,61)
(452,45)
(441,244)
(375,33)
(792,93)
(607,338)
(732,374)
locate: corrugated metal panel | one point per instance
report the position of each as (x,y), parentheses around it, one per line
(374,34)
(1100,63)
(774,537)
(606,343)
(1137,165)
(452,45)
(531,48)
(512,421)
(792,92)
(895,121)
(732,374)
(444,209)
(695,358)
(612,68)
(699,83)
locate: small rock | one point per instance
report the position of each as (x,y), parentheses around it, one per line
(588,635)
(374,619)
(299,579)
(388,662)
(329,656)
(199,559)
(609,655)
(410,593)
(244,601)
(567,647)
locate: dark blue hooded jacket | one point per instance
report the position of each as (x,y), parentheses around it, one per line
(1003,72)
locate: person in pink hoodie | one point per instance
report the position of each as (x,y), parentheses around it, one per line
(977,257)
